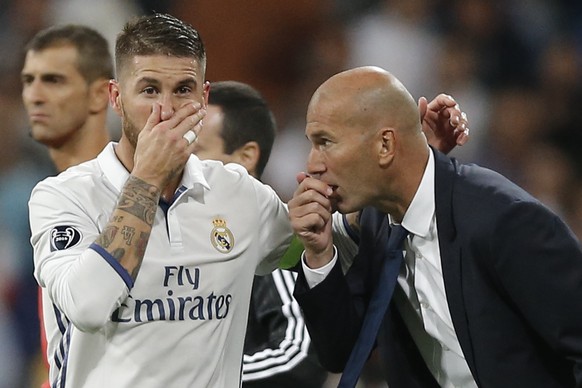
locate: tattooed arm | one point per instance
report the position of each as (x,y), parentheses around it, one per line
(85,276)
(157,165)
(127,234)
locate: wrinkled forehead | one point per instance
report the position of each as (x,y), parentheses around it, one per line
(162,65)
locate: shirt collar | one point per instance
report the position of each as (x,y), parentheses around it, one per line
(116,173)
(418,216)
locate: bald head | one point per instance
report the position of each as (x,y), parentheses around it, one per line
(368,98)
(366,141)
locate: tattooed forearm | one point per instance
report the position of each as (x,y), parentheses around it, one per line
(139,199)
(107,237)
(128,232)
(126,235)
(118,253)
(135,271)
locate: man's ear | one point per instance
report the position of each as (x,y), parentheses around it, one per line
(387,146)
(99,96)
(248,156)
(114,96)
(205,93)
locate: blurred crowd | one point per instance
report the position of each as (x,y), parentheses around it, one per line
(514,66)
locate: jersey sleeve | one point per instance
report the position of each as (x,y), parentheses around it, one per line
(83,284)
(275,231)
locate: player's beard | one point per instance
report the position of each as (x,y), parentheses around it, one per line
(129,129)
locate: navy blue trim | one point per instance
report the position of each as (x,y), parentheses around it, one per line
(114,263)
(66,358)
(61,363)
(165,206)
(58,316)
(353,235)
(179,192)
(57,359)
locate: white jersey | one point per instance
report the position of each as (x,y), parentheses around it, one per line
(182,323)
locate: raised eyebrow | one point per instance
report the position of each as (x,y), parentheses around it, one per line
(148,81)
(188,82)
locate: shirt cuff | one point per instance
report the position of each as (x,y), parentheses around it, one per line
(314,276)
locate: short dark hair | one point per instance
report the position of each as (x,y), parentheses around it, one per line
(93,60)
(158,34)
(247,117)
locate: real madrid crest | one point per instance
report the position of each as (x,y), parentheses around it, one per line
(221,237)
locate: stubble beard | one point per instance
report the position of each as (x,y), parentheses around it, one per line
(130,131)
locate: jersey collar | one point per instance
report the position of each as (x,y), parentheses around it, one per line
(116,173)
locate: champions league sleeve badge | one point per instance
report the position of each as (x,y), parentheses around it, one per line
(64,237)
(221,237)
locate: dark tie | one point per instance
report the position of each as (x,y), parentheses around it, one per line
(376,308)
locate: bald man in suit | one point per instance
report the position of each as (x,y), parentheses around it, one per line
(490,286)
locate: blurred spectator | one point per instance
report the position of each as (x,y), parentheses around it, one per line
(548,175)
(560,83)
(256,42)
(400,37)
(324,55)
(517,122)
(457,68)
(504,55)
(19,20)
(106,16)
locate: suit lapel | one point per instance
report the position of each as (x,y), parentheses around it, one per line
(451,254)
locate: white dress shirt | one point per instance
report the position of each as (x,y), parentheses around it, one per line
(421,297)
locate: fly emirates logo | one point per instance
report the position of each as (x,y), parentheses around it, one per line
(187,306)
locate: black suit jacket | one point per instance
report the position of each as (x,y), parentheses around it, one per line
(513,278)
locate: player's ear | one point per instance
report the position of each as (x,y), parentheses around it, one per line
(115,96)
(205,93)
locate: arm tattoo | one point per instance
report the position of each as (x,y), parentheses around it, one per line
(139,199)
(126,237)
(118,253)
(127,232)
(107,236)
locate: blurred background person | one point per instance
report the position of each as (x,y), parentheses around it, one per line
(65,90)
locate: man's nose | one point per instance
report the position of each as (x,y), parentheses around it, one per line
(315,163)
(33,92)
(167,105)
